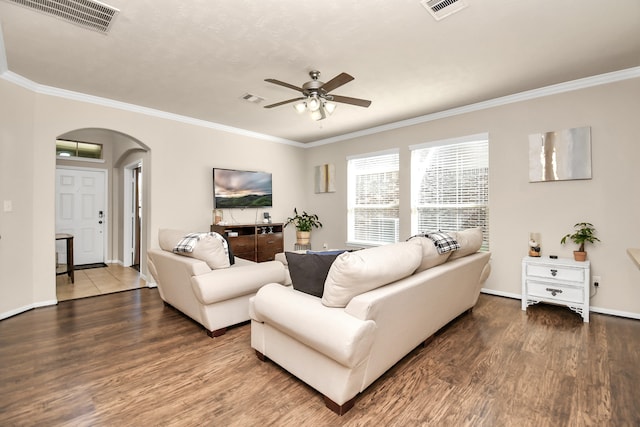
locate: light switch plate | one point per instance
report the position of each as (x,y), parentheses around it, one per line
(8,206)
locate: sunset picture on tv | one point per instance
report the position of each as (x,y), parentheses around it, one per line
(242,189)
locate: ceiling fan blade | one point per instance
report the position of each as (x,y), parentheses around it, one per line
(353,101)
(278,82)
(277,104)
(337,81)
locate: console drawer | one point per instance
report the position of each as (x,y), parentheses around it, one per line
(269,245)
(564,293)
(243,246)
(555,272)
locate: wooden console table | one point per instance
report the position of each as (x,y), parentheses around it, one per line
(69,240)
(255,242)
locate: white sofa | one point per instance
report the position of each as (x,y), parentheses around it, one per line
(214,297)
(340,351)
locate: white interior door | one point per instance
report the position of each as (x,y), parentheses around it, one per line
(80,211)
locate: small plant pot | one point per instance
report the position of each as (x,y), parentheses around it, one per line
(303,237)
(579,256)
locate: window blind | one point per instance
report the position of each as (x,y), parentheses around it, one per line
(373,199)
(450,187)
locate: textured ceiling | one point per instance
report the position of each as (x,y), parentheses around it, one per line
(198,58)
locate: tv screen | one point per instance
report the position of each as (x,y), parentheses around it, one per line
(241,189)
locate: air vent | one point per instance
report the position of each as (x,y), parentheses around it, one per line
(87,14)
(442,8)
(255,99)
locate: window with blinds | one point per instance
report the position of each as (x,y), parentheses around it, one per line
(450,187)
(373,198)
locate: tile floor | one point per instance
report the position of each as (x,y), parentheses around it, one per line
(98,281)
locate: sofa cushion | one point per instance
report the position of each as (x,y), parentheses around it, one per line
(470,241)
(309,271)
(444,242)
(328,252)
(430,255)
(210,247)
(168,238)
(353,273)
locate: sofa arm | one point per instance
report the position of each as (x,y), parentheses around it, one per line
(330,331)
(226,283)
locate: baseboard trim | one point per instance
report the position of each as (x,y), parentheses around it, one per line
(500,293)
(21,310)
(618,313)
(599,310)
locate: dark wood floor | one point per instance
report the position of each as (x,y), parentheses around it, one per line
(126,359)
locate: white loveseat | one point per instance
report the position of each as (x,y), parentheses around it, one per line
(215,297)
(340,351)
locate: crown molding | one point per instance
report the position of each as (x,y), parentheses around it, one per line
(583,83)
(105,102)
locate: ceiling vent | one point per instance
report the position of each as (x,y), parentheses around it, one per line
(255,99)
(442,8)
(85,13)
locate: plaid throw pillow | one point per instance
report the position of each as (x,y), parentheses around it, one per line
(443,242)
(187,243)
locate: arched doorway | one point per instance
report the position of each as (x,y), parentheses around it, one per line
(124,158)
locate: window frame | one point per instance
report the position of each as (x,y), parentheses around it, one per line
(77,151)
(417,176)
(352,240)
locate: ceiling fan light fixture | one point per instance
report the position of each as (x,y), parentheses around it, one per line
(316,97)
(300,107)
(329,107)
(313,103)
(316,115)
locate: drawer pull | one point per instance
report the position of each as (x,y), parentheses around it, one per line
(554,291)
(554,272)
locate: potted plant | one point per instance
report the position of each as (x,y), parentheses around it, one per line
(304,223)
(584,232)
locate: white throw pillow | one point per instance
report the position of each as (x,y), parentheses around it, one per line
(470,241)
(208,249)
(353,273)
(430,255)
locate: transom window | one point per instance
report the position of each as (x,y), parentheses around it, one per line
(86,150)
(373,198)
(450,186)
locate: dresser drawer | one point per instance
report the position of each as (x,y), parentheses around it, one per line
(243,246)
(555,272)
(269,245)
(562,292)
(271,241)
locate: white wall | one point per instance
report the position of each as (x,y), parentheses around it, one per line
(611,200)
(181,158)
(17,169)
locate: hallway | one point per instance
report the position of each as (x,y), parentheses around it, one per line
(98,281)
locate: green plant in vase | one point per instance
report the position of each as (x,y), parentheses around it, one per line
(583,232)
(304,223)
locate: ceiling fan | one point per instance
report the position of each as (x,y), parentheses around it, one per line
(316,97)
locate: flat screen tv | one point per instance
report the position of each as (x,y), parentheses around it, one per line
(241,189)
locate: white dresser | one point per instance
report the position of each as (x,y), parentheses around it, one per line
(557,281)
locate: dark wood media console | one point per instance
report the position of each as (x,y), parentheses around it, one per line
(255,242)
